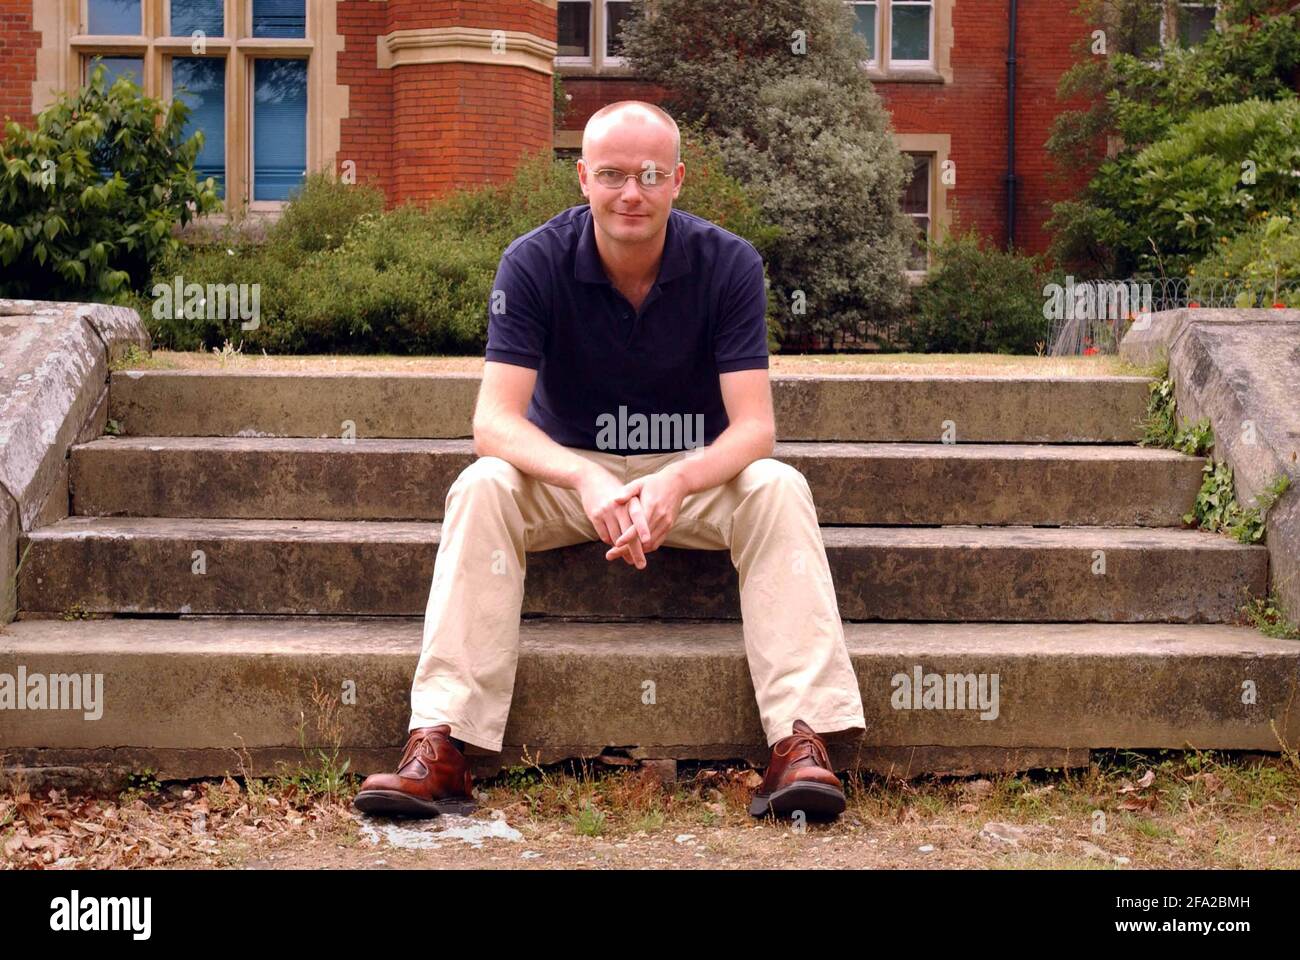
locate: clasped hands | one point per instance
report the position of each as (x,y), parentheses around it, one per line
(633,518)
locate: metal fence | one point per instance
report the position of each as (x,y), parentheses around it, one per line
(1092,316)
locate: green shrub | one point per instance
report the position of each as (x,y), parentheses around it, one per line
(338,274)
(89,196)
(1260,266)
(978,298)
(1133,100)
(1213,175)
(322,212)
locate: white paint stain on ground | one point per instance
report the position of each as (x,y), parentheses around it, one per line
(433,833)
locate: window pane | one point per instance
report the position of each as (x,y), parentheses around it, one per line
(279,18)
(911,25)
(201,84)
(207,16)
(916,259)
(616,15)
(279,127)
(865,25)
(916,195)
(1194,23)
(115,17)
(114,67)
(573,30)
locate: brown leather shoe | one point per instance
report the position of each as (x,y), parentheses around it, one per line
(799,778)
(432,778)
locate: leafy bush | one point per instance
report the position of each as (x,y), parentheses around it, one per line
(1212,175)
(89,196)
(1137,101)
(978,298)
(1261,265)
(322,212)
(339,274)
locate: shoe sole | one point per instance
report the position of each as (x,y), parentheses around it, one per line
(393,803)
(818,801)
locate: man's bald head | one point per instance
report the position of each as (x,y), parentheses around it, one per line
(630,113)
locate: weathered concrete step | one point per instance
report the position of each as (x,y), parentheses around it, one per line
(865,483)
(807,407)
(182,696)
(157,565)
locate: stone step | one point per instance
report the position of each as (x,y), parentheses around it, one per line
(176,565)
(189,697)
(1006,409)
(860,483)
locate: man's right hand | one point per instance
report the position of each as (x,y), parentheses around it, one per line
(600,490)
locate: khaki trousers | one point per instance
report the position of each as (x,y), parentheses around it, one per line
(495,514)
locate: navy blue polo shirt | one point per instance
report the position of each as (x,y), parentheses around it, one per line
(614,379)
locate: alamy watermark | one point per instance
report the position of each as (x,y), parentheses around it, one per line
(658,431)
(215,301)
(53,691)
(1096,299)
(919,690)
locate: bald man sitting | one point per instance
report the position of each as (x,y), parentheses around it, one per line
(618,327)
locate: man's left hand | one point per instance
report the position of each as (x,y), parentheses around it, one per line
(654,502)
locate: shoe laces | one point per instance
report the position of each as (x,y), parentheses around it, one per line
(413,749)
(811,743)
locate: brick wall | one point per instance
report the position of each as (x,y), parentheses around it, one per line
(448,125)
(422,129)
(18,45)
(367,132)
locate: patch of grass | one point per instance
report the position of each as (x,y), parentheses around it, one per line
(143,785)
(76,612)
(588,821)
(1160,424)
(321,774)
(133,358)
(1217,509)
(1267,615)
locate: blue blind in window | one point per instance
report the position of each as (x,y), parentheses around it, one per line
(114,67)
(120,17)
(279,18)
(279,127)
(201,15)
(200,82)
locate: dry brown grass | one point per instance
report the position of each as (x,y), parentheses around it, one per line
(1125,811)
(894,364)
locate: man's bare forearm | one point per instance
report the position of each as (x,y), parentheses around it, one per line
(735,448)
(520,442)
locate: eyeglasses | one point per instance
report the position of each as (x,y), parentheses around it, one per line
(651,178)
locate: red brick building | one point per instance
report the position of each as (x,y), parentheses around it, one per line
(422,95)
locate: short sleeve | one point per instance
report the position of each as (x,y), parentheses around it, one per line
(517,316)
(740,338)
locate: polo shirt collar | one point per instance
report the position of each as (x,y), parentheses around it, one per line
(587,267)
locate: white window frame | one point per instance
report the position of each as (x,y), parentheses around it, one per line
(873,61)
(932,161)
(927,64)
(593,35)
(605,58)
